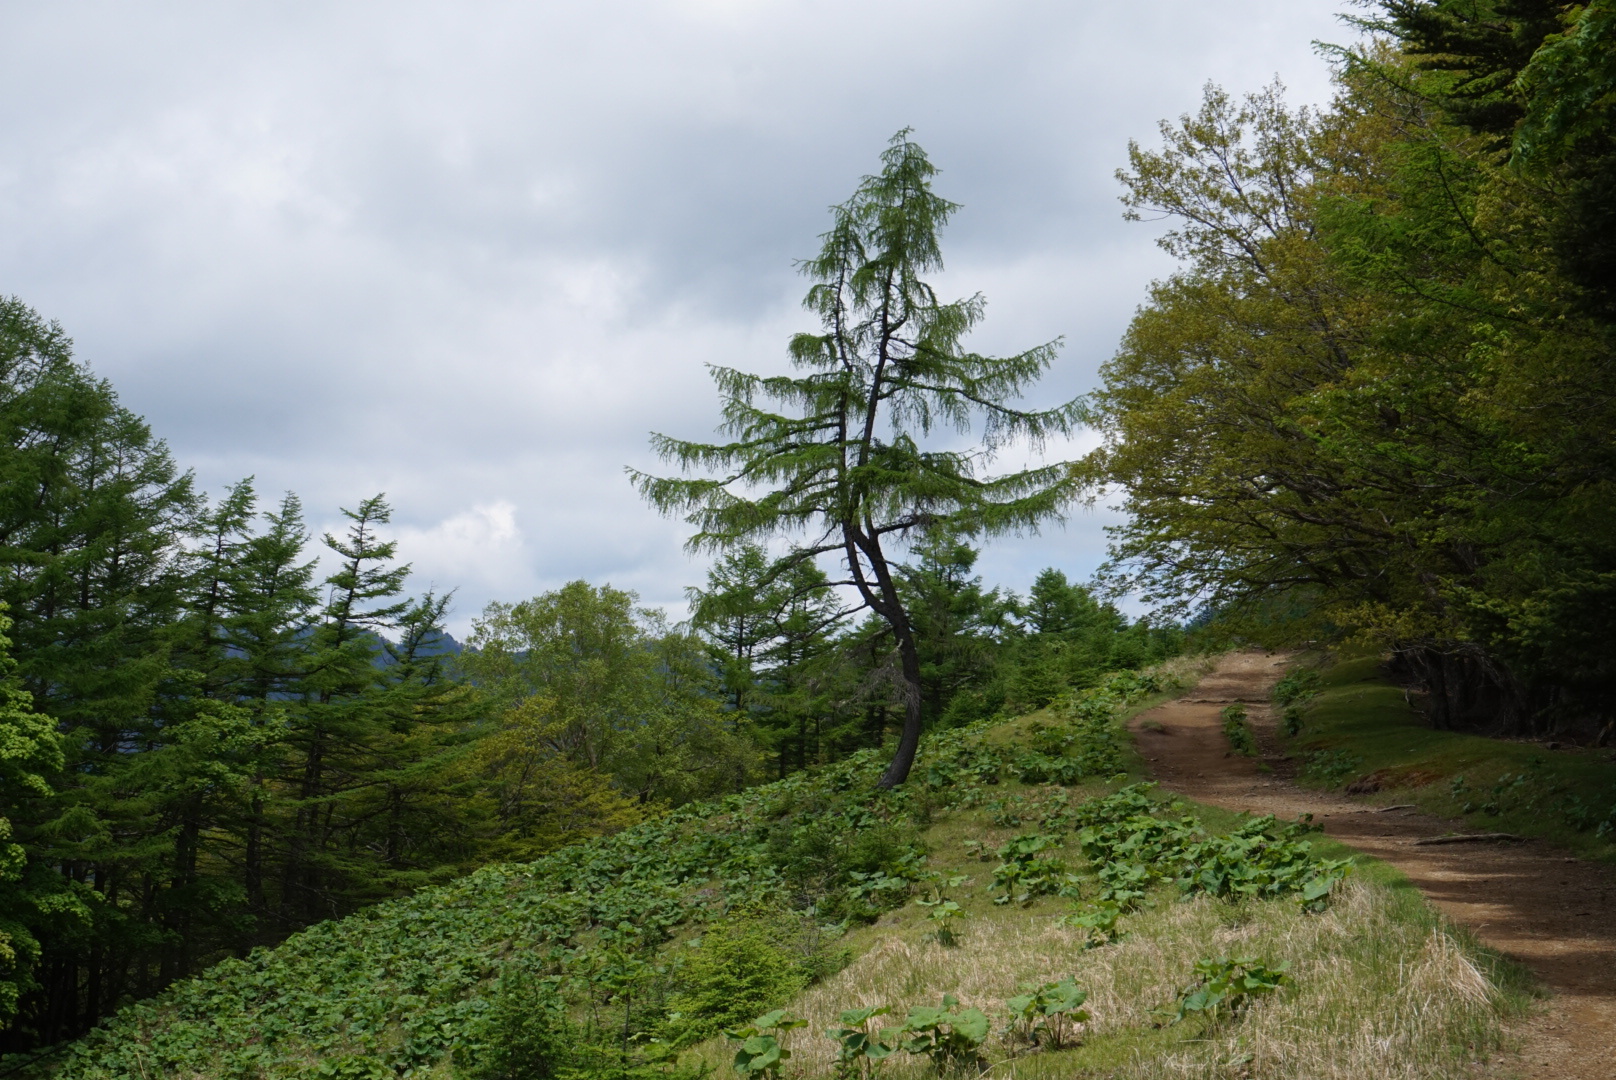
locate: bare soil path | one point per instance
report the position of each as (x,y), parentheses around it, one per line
(1554,913)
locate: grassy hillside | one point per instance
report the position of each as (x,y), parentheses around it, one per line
(1357,731)
(629,956)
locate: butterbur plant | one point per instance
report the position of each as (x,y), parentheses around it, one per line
(950,1036)
(1224,988)
(860,1047)
(945,916)
(761,1052)
(1330,767)
(1099,921)
(1124,884)
(1024,875)
(1048,1016)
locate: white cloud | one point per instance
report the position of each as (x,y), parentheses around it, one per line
(481,547)
(470,255)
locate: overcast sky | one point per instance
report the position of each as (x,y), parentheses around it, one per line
(470,254)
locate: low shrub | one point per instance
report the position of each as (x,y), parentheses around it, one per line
(762,1051)
(1026,872)
(861,1048)
(1132,848)
(525,1034)
(1297,687)
(737,970)
(1236,731)
(1100,921)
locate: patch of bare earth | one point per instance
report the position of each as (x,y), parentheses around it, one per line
(1554,913)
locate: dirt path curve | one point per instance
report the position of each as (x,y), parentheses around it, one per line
(1556,914)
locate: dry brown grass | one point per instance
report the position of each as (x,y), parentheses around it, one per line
(1381,990)
(1182,672)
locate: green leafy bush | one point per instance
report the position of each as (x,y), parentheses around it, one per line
(1096,735)
(945,916)
(1124,885)
(738,970)
(525,1035)
(958,762)
(1100,921)
(948,1035)
(847,862)
(1297,686)
(1260,860)
(1598,818)
(1026,872)
(1047,1016)
(1132,685)
(366,1067)
(1133,849)
(1033,767)
(1224,988)
(1052,740)
(1292,693)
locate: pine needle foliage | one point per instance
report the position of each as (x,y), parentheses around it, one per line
(836,455)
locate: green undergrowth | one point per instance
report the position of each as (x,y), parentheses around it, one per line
(612,930)
(1377,983)
(1351,729)
(1022,868)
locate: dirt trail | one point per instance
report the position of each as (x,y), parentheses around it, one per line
(1556,914)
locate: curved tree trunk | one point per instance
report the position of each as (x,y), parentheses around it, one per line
(904,759)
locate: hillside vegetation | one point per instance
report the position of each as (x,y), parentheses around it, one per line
(1021,856)
(209,743)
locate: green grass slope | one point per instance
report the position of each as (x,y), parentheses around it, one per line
(632,953)
(1359,732)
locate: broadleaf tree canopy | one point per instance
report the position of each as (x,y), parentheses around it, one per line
(836,457)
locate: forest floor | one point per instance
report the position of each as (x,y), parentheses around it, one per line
(1528,900)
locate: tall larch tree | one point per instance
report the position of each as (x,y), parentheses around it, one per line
(842,466)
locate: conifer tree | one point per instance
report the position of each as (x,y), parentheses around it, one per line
(332,735)
(93,512)
(958,624)
(843,466)
(736,614)
(272,608)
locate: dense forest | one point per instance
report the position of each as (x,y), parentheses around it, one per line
(1377,402)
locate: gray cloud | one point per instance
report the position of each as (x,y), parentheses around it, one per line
(470,254)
